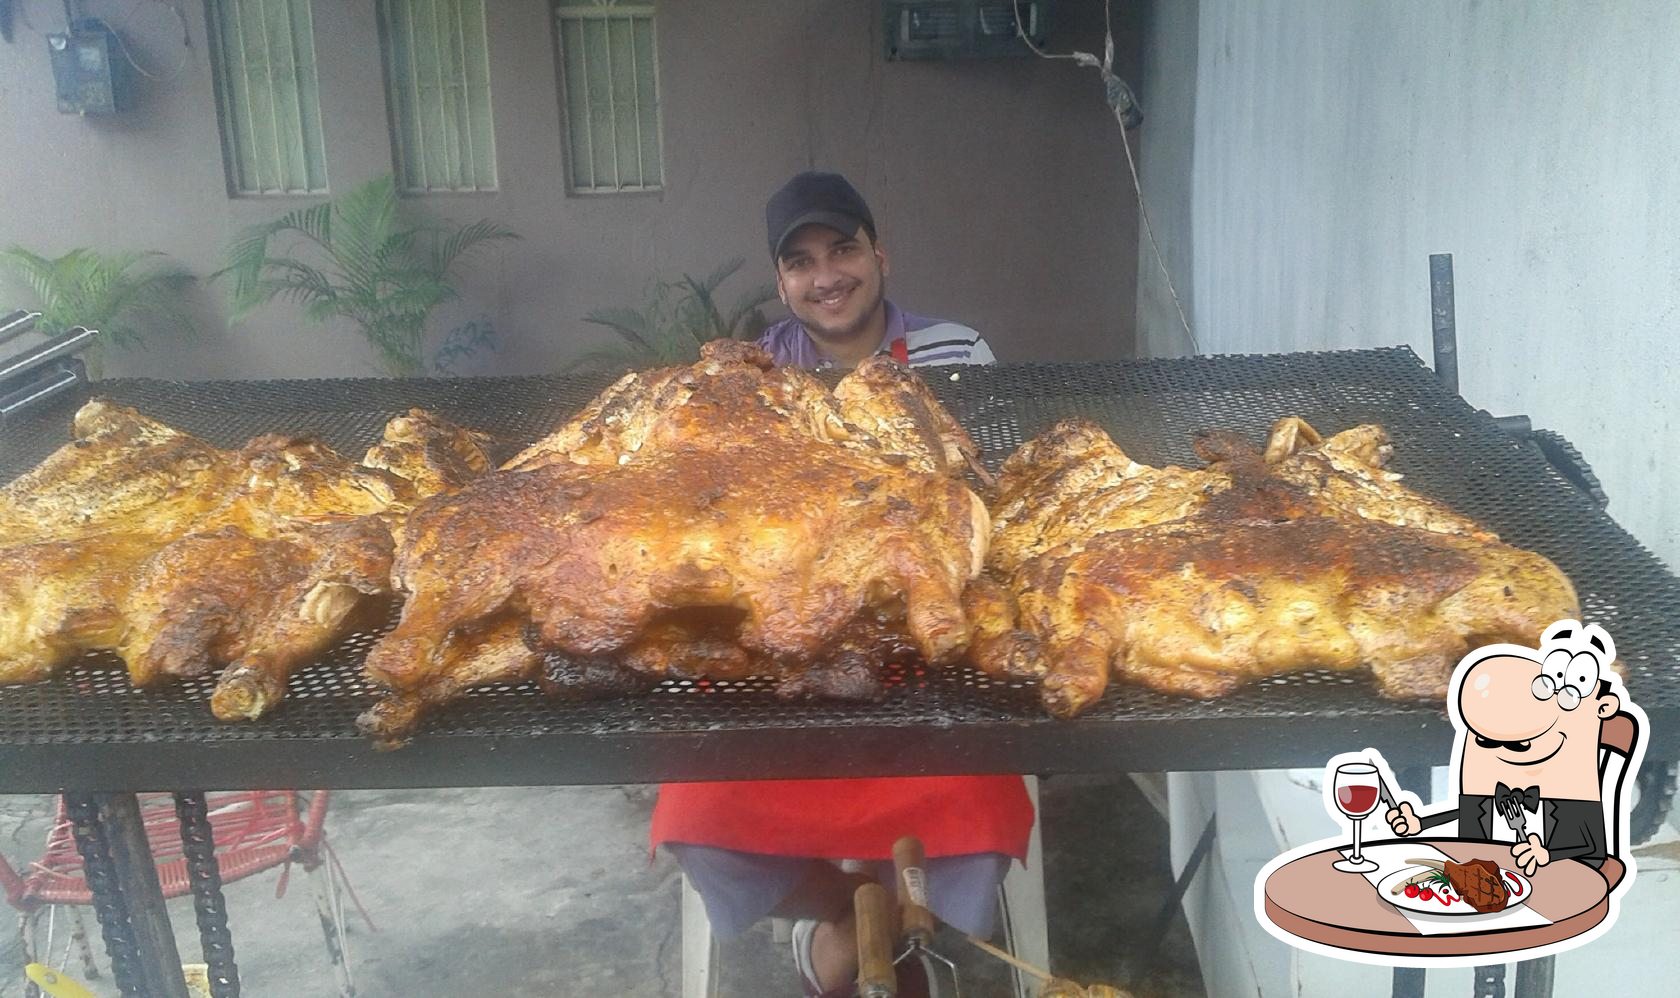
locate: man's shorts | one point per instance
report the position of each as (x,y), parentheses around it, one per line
(739,888)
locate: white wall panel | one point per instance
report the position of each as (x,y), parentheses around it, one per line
(1330,147)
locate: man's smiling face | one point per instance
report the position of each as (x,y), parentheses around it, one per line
(832,281)
(1516,738)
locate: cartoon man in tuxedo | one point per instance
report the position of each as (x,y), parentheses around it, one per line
(1528,748)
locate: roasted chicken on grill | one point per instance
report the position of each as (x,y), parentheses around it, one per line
(183,557)
(1304,554)
(728,518)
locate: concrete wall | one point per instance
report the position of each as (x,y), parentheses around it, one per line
(1304,158)
(998,185)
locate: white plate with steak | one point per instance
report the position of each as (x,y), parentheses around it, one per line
(1478,887)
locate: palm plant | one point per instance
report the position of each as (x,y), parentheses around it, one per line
(676,318)
(372,267)
(122,295)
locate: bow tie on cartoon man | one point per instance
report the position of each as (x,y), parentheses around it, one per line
(1528,762)
(1503,795)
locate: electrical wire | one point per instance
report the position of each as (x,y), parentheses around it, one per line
(22,11)
(1155,247)
(186,43)
(1119,98)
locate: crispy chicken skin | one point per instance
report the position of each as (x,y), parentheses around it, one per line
(1305,554)
(183,557)
(431,453)
(121,471)
(726,518)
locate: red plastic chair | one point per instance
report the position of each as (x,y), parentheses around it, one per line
(253,831)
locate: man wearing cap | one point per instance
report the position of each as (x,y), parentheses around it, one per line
(831,274)
(764,848)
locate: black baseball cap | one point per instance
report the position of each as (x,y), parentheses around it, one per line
(824,198)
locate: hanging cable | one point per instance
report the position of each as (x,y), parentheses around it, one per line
(1120,99)
(186,43)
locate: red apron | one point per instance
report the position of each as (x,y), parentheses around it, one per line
(848,819)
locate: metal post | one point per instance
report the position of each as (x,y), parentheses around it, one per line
(198,848)
(126,895)
(1444,323)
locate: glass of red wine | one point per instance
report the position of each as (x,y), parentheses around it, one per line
(1356,797)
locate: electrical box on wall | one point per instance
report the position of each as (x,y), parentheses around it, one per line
(90,69)
(962,29)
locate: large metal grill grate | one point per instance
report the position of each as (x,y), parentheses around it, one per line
(1446,449)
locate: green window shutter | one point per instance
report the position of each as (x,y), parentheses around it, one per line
(437,76)
(611,86)
(263,54)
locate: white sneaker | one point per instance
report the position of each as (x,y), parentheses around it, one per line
(804,930)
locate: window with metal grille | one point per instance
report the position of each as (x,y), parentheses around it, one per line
(437,77)
(263,53)
(611,88)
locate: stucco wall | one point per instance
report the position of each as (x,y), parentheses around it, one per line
(995,182)
(1329,147)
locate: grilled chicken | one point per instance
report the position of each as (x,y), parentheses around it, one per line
(263,606)
(727,518)
(183,557)
(430,453)
(75,528)
(1306,554)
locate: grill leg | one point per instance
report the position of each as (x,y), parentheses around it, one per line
(198,846)
(1490,981)
(1408,982)
(1534,978)
(122,876)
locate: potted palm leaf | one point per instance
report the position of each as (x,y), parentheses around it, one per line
(125,296)
(674,320)
(357,258)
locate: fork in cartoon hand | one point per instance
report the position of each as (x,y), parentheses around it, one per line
(1512,811)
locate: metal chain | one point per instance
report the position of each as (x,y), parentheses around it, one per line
(1490,981)
(198,847)
(109,906)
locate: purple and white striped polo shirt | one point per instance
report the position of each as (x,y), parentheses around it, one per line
(927,342)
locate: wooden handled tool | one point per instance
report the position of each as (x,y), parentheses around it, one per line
(910,866)
(873,908)
(916,923)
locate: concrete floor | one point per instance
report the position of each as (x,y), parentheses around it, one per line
(551,892)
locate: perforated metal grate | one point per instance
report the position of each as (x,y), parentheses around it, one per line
(1445,448)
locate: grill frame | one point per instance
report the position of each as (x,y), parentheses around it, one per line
(87,730)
